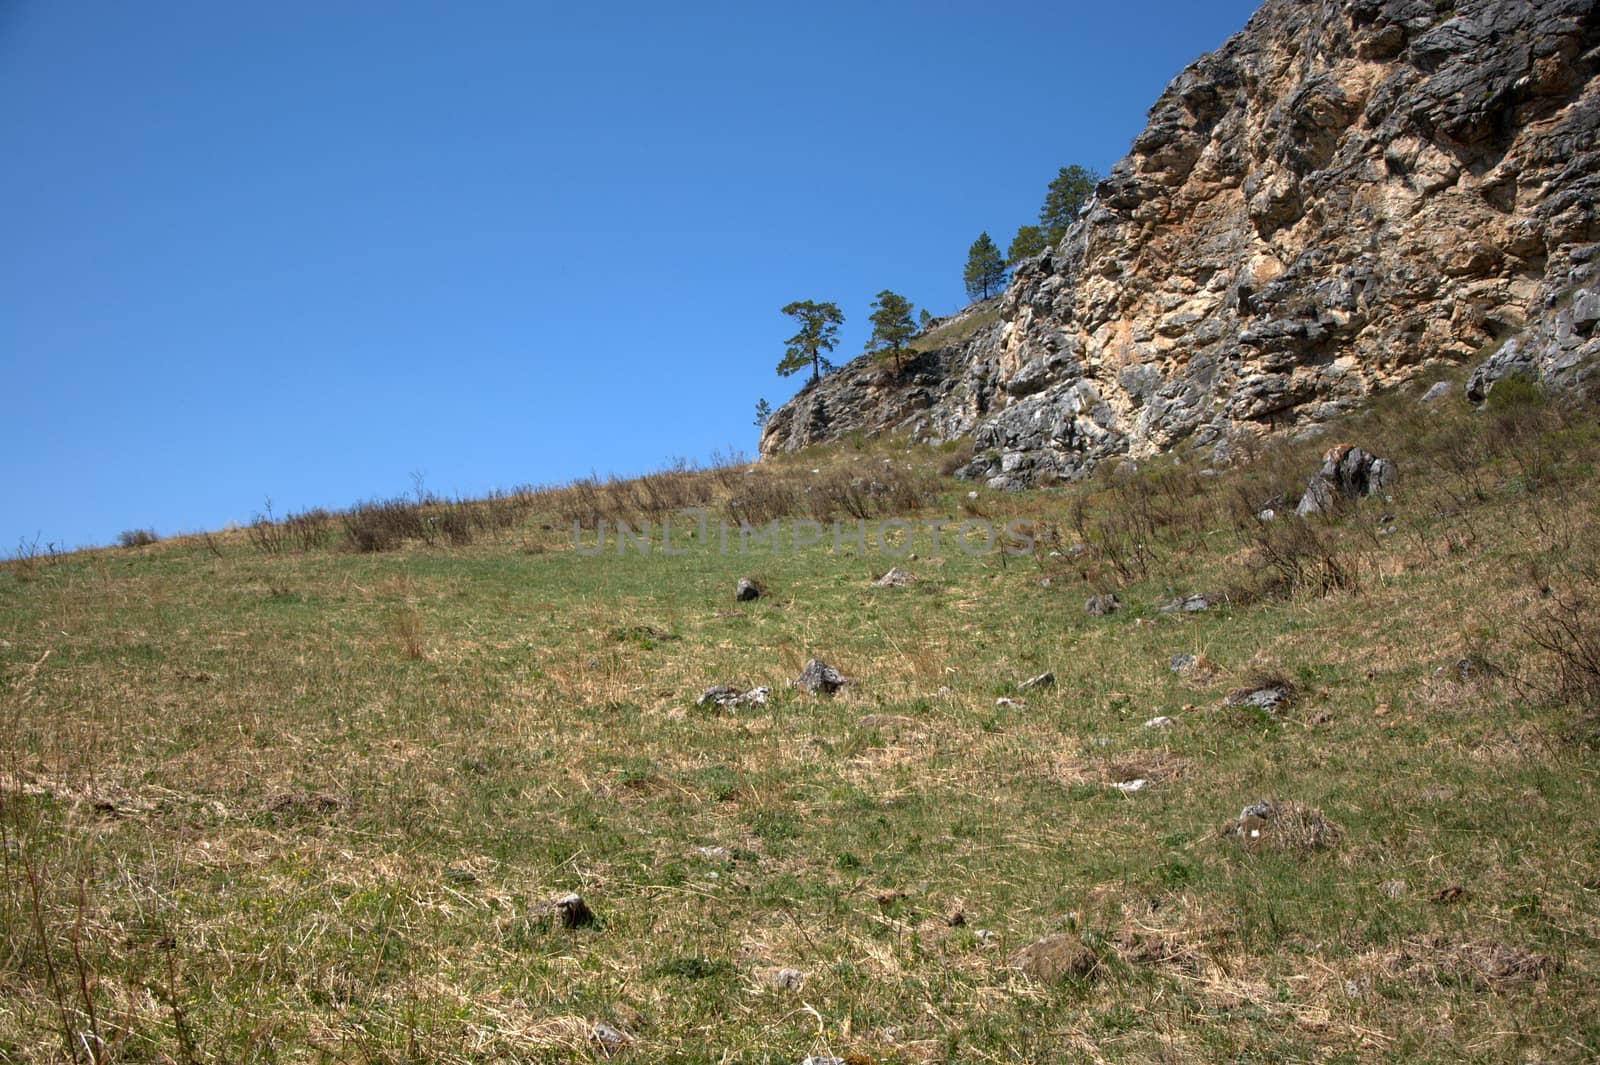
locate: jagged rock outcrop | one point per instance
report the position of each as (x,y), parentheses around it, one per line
(1346,193)
(934,395)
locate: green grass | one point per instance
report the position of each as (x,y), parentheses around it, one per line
(305,807)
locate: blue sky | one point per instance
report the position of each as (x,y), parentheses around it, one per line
(303,250)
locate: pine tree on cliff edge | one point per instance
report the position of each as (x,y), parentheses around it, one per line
(819,332)
(892,326)
(986,269)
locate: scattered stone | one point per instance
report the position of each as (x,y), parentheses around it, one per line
(957,918)
(1266,514)
(1161,722)
(1191,604)
(609,1038)
(730,698)
(1078,550)
(1352,989)
(1182,663)
(1392,889)
(1285,826)
(714,853)
(1045,582)
(1347,473)
(1446,896)
(816,1060)
(895,578)
(1014,704)
(984,935)
(1271,695)
(1043,680)
(1471,668)
(458,875)
(1130,786)
(1439,390)
(788,979)
(569,910)
(1099,606)
(819,678)
(747,590)
(1056,958)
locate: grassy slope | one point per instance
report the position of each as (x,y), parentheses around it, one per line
(301,808)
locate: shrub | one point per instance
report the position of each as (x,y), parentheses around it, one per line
(137,538)
(383,525)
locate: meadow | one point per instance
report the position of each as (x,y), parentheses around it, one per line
(304,791)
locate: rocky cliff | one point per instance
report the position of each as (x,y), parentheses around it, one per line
(1347,193)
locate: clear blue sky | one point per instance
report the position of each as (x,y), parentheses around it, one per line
(299,250)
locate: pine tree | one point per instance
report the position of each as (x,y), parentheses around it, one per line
(891,326)
(763,412)
(819,332)
(1028,241)
(986,271)
(1064,200)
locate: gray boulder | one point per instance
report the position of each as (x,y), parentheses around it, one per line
(819,678)
(1347,473)
(746,590)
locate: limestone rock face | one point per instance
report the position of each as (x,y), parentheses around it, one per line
(1347,193)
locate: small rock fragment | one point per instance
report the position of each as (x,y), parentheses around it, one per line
(1161,722)
(746,590)
(609,1038)
(1099,606)
(819,678)
(1043,680)
(895,578)
(788,979)
(1013,704)
(1269,695)
(1182,663)
(1392,889)
(730,698)
(1128,786)
(1191,604)
(570,910)
(1439,390)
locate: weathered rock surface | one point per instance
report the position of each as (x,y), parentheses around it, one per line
(1344,195)
(1347,473)
(819,678)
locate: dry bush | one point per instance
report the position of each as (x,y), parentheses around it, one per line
(384,524)
(137,538)
(1291,556)
(309,529)
(1567,628)
(763,498)
(266,535)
